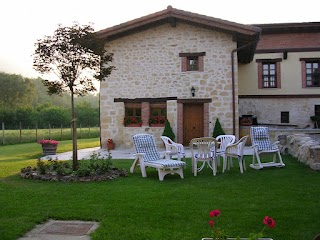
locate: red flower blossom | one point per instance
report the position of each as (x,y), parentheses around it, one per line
(269,221)
(48,141)
(215,213)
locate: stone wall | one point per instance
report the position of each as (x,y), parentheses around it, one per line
(268,110)
(148,66)
(303,147)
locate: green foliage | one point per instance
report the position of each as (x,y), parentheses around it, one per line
(96,165)
(15,91)
(217,129)
(168,132)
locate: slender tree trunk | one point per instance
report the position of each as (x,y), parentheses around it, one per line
(74,136)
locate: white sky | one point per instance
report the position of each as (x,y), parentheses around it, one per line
(22,22)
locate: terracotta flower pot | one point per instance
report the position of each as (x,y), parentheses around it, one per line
(111,146)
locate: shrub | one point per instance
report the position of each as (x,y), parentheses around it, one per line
(167,131)
(217,129)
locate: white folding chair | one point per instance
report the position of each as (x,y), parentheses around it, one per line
(147,155)
(261,145)
(235,150)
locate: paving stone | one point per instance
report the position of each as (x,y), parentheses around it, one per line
(62,230)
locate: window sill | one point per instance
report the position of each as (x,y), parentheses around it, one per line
(134,125)
(157,125)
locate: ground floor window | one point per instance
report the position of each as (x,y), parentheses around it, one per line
(158,114)
(284,117)
(132,114)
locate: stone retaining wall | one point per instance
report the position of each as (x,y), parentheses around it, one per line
(303,147)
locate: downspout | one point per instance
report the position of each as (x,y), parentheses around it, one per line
(233,84)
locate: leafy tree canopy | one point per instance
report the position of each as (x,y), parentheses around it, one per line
(75,56)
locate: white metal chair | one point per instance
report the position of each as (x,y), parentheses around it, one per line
(261,145)
(235,150)
(203,150)
(223,141)
(174,148)
(147,155)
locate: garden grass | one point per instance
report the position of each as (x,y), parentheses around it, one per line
(136,208)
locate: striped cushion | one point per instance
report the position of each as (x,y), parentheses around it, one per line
(145,143)
(170,163)
(260,138)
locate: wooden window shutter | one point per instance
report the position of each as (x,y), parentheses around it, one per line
(278,76)
(260,80)
(184,64)
(303,74)
(200,63)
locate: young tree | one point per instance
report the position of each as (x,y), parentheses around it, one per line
(217,129)
(76,57)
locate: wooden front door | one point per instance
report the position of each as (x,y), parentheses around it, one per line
(192,122)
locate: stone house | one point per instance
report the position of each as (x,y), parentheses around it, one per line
(192,69)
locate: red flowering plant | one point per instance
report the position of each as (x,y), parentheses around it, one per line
(110,141)
(157,120)
(218,234)
(132,120)
(48,142)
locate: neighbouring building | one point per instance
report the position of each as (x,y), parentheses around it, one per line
(192,69)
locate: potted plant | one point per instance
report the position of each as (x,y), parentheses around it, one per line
(316,120)
(110,144)
(246,121)
(132,121)
(157,121)
(218,234)
(49,146)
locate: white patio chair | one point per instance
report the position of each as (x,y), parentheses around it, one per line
(147,155)
(235,150)
(174,148)
(203,150)
(261,145)
(223,141)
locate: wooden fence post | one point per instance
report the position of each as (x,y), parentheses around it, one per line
(3,133)
(36,132)
(20,126)
(61,133)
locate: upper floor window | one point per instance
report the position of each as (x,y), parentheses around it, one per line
(269,73)
(310,68)
(269,76)
(192,61)
(312,74)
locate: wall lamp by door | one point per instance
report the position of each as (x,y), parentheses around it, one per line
(193,90)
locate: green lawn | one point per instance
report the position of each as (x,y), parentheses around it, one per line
(136,208)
